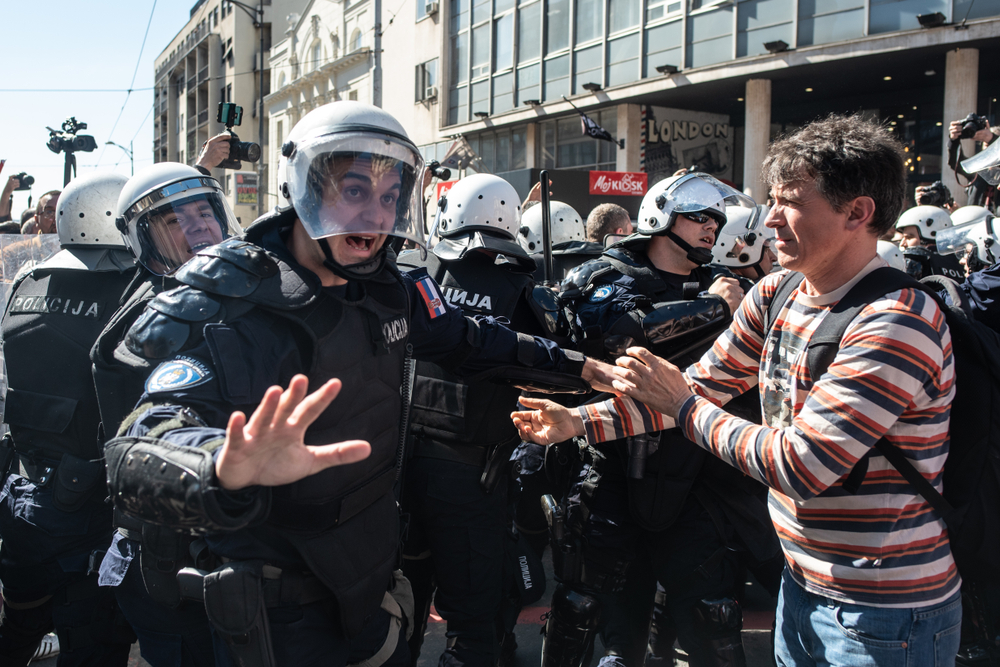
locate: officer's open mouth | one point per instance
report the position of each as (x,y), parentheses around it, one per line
(360,242)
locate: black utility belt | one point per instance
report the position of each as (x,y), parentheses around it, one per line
(278,587)
(473,455)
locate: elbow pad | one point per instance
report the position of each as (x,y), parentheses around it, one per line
(168,485)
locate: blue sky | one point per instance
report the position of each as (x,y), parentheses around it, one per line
(75,47)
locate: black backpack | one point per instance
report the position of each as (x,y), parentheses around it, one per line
(970,506)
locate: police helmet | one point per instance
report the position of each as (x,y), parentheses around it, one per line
(980,233)
(481,202)
(566,225)
(967,214)
(929,221)
(693,193)
(86,212)
(742,240)
(169,211)
(890,253)
(349,168)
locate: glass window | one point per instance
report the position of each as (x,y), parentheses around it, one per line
(710,37)
(622,14)
(421,9)
(487,150)
(663,47)
(481,10)
(527,83)
(500,6)
(518,149)
(556,26)
(658,9)
(458,105)
(892,15)
(548,145)
(503,44)
(503,152)
(588,68)
(503,92)
(556,77)
(317,56)
(623,60)
(761,21)
(481,96)
(460,57)
(529,32)
(480,51)
(980,9)
(589,16)
(825,21)
(459,15)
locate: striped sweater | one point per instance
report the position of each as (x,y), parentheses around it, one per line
(893,375)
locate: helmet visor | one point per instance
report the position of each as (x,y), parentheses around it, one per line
(357,183)
(699,192)
(168,235)
(957,239)
(985,164)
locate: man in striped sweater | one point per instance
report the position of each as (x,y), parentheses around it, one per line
(870,578)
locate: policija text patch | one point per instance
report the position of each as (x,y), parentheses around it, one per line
(57,306)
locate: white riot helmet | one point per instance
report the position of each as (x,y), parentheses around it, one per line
(566,226)
(980,233)
(350,169)
(967,214)
(86,212)
(929,221)
(742,240)
(891,254)
(480,202)
(169,211)
(697,196)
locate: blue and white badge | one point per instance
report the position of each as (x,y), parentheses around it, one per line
(180,373)
(601,293)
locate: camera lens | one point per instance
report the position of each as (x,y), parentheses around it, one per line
(248,151)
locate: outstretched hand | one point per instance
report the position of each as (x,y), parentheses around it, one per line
(649,379)
(270,450)
(546,422)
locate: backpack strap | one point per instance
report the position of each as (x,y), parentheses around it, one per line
(823,347)
(786,286)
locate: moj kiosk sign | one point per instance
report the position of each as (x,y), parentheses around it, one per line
(620,183)
(676,139)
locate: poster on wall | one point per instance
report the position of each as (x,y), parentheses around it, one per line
(677,138)
(246,188)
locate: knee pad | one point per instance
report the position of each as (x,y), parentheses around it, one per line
(570,628)
(716,640)
(576,608)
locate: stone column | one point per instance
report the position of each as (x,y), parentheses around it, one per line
(531,145)
(757,135)
(630,129)
(961,88)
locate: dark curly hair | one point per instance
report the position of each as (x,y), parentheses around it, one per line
(847,157)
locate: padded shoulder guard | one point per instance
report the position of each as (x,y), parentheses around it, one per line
(232,268)
(169,485)
(576,282)
(547,308)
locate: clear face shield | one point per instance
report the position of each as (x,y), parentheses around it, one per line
(701,193)
(359,185)
(985,164)
(977,237)
(168,226)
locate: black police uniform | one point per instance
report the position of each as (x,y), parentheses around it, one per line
(566,256)
(312,560)
(171,631)
(455,490)
(922,262)
(53,519)
(674,514)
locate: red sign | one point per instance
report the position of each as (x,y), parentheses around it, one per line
(618,183)
(443,187)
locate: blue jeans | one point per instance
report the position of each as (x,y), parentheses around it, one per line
(815,630)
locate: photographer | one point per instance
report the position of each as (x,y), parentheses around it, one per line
(7,197)
(980,193)
(213,153)
(935,194)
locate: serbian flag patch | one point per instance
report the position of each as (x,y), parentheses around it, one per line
(432,297)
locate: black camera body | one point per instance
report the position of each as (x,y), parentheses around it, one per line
(25,181)
(232,114)
(68,141)
(935,194)
(972,124)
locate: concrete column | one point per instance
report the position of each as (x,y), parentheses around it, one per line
(531,145)
(757,135)
(630,129)
(961,88)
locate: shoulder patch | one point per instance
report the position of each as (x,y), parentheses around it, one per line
(600,294)
(178,373)
(428,290)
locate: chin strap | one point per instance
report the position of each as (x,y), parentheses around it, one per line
(699,256)
(359,271)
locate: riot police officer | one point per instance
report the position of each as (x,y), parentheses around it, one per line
(919,227)
(298,555)
(53,518)
(657,501)
(568,236)
(166,213)
(455,485)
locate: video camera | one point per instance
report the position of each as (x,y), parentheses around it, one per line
(232,114)
(972,124)
(25,181)
(68,141)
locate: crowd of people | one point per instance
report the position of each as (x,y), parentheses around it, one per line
(280,445)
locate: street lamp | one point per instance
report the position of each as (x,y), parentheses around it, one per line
(257,15)
(128,151)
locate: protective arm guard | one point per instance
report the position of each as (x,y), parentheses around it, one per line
(566,380)
(669,326)
(169,485)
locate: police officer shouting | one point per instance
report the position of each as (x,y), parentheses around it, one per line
(303,553)
(53,518)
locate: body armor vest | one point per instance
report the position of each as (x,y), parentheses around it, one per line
(566,257)
(52,320)
(445,408)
